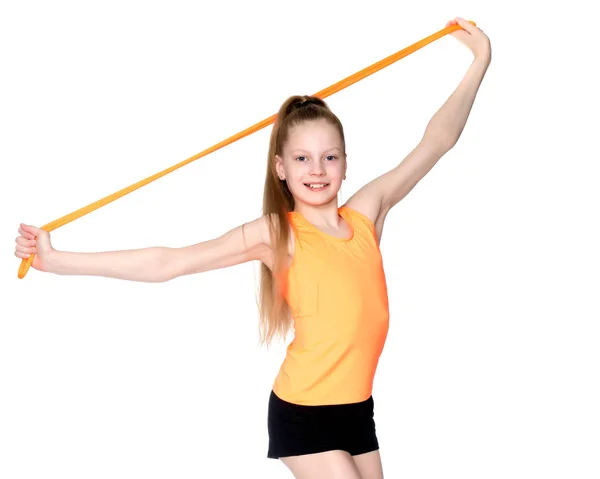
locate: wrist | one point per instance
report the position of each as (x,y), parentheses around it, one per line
(483,59)
(51,261)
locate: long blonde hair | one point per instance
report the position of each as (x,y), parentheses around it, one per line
(275,319)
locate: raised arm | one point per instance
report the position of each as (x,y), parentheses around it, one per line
(376,198)
(151,265)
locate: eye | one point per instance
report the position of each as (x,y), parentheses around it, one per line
(300,158)
(331,157)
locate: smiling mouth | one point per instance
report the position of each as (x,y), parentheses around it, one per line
(316,186)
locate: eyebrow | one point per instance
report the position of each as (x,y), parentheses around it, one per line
(300,150)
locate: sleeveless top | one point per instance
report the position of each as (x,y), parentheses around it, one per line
(337,294)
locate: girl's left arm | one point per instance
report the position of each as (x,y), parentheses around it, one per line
(376,198)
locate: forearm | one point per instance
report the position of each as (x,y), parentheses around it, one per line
(145,265)
(449,121)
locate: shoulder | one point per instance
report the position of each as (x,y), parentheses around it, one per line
(365,216)
(364,209)
(261,230)
(359,215)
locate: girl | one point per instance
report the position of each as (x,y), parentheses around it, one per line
(321,272)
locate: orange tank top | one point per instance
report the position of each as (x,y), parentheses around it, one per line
(337,294)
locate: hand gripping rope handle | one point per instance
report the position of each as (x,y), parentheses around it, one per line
(26,263)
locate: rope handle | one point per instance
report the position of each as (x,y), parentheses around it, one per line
(346,82)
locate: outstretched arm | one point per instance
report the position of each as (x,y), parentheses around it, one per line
(154,264)
(376,198)
(247,242)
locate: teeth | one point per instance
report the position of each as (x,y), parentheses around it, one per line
(317,186)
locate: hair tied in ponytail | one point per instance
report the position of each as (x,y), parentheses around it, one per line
(307,102)
(304,103)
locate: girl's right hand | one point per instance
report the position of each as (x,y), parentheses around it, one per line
(35,241)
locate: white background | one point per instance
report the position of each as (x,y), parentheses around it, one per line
(491,366)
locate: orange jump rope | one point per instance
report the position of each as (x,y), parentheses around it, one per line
(26,263)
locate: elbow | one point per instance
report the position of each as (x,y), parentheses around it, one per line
(449,143)
(440,139)
(165,266)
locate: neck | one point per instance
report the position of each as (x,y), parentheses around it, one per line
(320,215)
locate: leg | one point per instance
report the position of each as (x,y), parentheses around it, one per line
(323,465)
(369,465)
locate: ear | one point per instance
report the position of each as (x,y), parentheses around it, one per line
(279,167)
(345,168)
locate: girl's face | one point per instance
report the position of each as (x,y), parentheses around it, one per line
(313,163)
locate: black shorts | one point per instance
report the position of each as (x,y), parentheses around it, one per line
(298,429)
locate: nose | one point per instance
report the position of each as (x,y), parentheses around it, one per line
(317,168)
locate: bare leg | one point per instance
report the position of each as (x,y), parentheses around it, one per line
(369,465)
(323,465)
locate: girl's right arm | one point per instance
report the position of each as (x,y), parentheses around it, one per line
(155,264)
(248,242)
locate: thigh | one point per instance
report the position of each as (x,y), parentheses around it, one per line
(322,465)
(369,465)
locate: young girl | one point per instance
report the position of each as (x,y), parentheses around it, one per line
(321,273)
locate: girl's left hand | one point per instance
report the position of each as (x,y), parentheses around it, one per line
(473,37)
